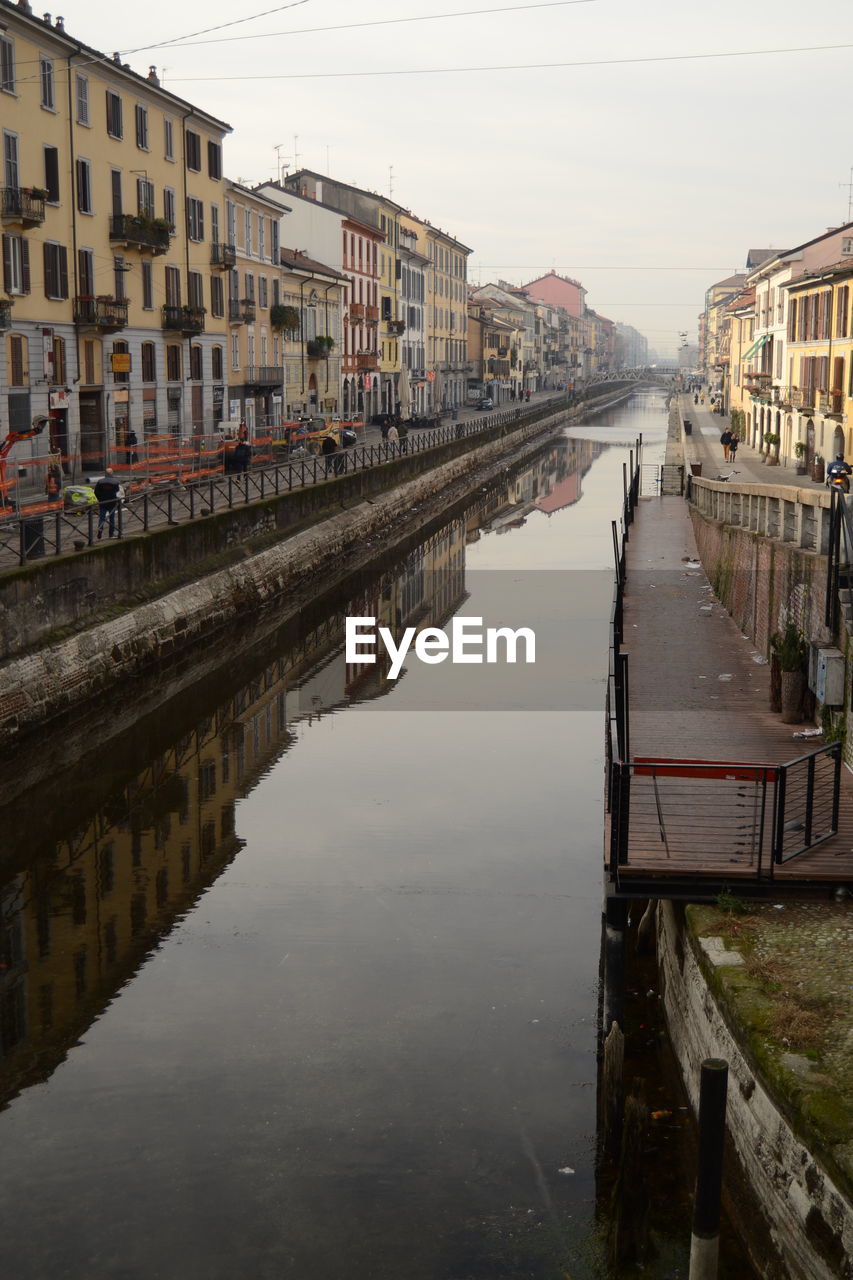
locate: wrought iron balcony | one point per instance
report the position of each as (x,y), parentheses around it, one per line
(5,313)
(104,313)
(223,256)
(268,375)
(186,320)
(396,326)
(803,398)
(135,231)
(831,403)
(235,311)
(247,307)
(20,207)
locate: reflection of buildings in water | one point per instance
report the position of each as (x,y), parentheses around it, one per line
(551,481)
(78,922)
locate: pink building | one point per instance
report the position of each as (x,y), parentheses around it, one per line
(558,291)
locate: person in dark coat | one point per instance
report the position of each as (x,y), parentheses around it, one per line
(131,442)
(107,492)
(328,447)
(242,456)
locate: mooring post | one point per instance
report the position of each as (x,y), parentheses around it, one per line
(705,1241)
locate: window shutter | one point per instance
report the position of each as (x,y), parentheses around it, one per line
(7,264)
(63,271)
(49,281)
(25,265)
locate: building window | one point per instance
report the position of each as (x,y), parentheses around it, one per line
(10,159)
(46,73)
(195,363)
(59,364)
(276,292)
(119,271)
(168,138)
(230,222)
(173,287)
(248,230)
(195,219)
(147,286)
(82,87)
(51,174)
(114,120)
(55,270)
(214,223)
(169,206)
(120,349)
(195,289)
(217,298)
(7,65)
(262,292)
(193,151)
(250,287)
(262,222)
(274,241)
(144,198)
(216,364)
(173,363)
(18,371)
(86,272)
(84,186)
(235,351)
(149,366)
(142,127)
(214,160)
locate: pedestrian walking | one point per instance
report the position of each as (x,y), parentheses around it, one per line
(527,395)
(726,441)
(242,432)
(242,456)
(329,447)
(392,437)
(107,491)
(130,443)
(733,444)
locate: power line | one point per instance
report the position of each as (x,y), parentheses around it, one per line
(295,4)
(379,22)
(524,66)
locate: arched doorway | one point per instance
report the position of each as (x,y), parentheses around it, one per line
(838,442)
(312,392)
(810,442)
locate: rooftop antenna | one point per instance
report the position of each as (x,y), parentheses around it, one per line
(295,151)
(849,185)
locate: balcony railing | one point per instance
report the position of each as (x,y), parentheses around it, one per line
(831,402)
(267,375)
(5,313)
(367,360)
(103,313)
(396,326)
(19,206)
(223,256)
(356,311)
(371,314)
(803,397)
(151,235)
(247,307)
(235,311)
(186,320)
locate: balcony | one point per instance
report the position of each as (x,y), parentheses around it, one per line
(235,311)
(371,314)
(265,375)
(831,403)
(5,313)
(367,360)
(20,207)
(185,320)
(396,326)
(136,231)
(247,307)
(356,311)
(223,256)
(803,398)
(103,314)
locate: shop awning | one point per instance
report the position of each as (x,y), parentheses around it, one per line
(756,346)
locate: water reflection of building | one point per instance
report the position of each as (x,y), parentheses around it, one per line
(80,919)
(551,481)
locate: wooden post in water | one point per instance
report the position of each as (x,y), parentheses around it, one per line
(612,1101)
(705,1241)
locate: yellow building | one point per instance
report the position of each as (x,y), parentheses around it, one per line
(112,196)
(818,400)
(250,262)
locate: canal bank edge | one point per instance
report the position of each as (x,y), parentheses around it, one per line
(42,685)
(807,1218)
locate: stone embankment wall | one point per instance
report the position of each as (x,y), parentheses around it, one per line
(806,1218)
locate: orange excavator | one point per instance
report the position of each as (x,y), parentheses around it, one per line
(13,438)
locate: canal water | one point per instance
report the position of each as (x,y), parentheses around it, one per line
(299,974)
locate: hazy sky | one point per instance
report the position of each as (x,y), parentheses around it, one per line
(646,179)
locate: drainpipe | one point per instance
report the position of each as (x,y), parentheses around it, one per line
(302,284)
(185,233)
(326,307)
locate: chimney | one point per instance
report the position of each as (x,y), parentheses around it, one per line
(25,5)
(117,58)
(60,23)
(152,75)
(46,18)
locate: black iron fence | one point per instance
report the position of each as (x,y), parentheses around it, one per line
(617,741)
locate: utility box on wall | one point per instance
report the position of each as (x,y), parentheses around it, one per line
(826,676)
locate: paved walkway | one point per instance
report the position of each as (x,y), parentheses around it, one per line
(703,445)
(699,691)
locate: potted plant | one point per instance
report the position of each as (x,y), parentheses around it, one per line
(818,468)
(790,648)
(800,455)
(38,193)
(772,439)
(284,319)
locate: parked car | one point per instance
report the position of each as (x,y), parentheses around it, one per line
(485,402)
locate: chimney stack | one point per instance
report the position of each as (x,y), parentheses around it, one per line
(60,23)
(152,75)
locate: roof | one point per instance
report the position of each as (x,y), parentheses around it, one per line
(756,256)
(301,262)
